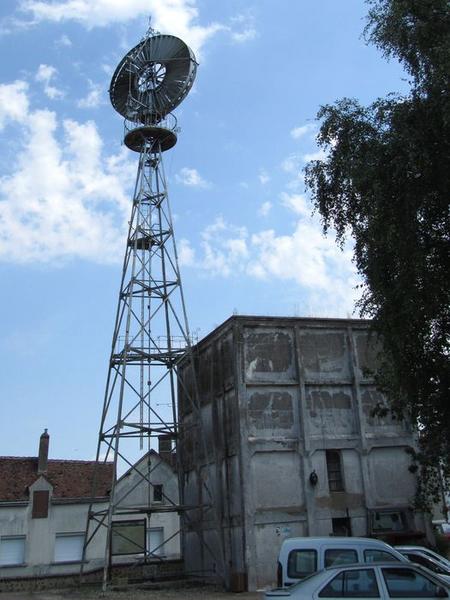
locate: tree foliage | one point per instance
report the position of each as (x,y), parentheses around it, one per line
(386,182)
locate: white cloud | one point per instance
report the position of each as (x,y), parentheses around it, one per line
(265,208)
(263,177)
(191,178)
(63,41)
(13,102)
(64,199)
(292,164)
(245,35)
(299,132)
(323,273)
(45,74)
(186,254)
(224,248)
(317,155)
(243,27)
(298,203)
(308,258)
(177,17)
(94,96)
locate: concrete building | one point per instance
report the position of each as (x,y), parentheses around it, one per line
(286,445)
(43,511)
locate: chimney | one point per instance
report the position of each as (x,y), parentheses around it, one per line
(165,448)
(43,453)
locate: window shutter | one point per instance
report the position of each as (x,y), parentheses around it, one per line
(155,538)
(12,551)
(69,547)
(40,504)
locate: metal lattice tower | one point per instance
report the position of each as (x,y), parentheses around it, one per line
(151,333)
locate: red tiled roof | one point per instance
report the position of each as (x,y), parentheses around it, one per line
(69,478)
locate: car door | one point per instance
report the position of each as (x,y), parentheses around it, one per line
(351,583)
(409,583)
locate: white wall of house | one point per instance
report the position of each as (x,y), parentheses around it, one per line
(33,547)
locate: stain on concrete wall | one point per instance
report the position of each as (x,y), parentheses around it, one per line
(270,412)
(223,366)
(368,348)
(325,355)
(371,398)
(272,472)
(330,409)
(269,355)
(389,466)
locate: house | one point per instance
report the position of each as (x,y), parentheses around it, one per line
(43,512)
(285,442)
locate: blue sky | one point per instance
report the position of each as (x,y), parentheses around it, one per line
(247,241)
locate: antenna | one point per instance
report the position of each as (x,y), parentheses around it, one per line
(151,332)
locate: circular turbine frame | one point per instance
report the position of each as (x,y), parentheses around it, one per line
(153,78)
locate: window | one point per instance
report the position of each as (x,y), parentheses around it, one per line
(301,563)
(40,504)
(128,537)
(335,481)
(393,520)
(433,565)
(155,539)
(406,583)
(342,526)
(358,583)
(378,556)
(158,493)
(69,547)
(340,557)
(12,550)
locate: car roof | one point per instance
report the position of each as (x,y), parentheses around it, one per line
(419,548)
(333,540)
(381,563)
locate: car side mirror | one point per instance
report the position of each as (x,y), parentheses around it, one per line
(440,593)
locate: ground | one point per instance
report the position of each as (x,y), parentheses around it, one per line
(136,593)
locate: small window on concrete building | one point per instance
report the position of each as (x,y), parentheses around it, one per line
(335,480)
(158,493)
(69,547)
(12,550)
(387,521)
(155,539)
(342,526)
(40,504)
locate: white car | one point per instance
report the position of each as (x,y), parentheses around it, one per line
(421,557)
(425,551)
(376,580)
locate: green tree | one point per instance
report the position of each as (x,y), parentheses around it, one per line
(386,182)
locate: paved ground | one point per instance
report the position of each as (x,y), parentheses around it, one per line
(134,593)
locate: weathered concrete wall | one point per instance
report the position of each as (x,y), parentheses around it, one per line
(275,394)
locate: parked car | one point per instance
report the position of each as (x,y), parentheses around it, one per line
(300,557)
(377,580)
(443,529)
(421,558)
(427,552)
